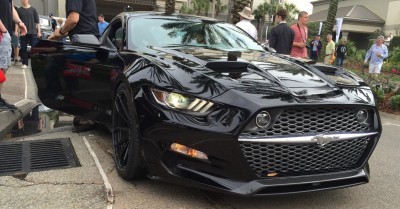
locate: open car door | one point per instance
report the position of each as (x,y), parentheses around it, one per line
(76,78)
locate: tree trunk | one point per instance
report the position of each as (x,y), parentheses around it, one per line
(170,6)
(328,26)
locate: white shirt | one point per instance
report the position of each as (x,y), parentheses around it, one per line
(248,27)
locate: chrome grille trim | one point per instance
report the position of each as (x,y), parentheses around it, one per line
(307,139)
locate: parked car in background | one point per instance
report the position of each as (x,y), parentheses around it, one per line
(197,101)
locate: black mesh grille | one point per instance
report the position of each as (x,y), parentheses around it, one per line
(312,120)
(304,159)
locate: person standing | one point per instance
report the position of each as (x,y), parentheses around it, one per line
(15,42)
(300,29)
(377,53)
(102,24)
(316,46)
(245,24)
(282,35)
(81,19)
(53,22)
(8,15)
(329,50)
(341,52)
(30,17)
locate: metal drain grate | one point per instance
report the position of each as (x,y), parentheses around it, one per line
(30,156)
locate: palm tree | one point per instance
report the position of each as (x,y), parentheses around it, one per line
(200,5)
(330,22)
(185,9)
(260,13)
(292,11)
(219,7)
(169,6)
(238,6)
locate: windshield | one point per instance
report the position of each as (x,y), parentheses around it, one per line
(187,31)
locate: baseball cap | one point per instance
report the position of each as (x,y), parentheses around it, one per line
(50,14)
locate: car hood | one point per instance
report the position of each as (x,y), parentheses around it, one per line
(257,74)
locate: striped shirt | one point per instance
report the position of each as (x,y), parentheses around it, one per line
(373,51)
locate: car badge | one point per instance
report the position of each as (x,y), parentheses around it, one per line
(323,140)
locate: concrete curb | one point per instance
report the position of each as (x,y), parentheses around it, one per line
(8,119)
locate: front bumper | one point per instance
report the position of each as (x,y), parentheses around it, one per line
(273,186)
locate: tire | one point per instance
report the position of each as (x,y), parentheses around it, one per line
(127,143)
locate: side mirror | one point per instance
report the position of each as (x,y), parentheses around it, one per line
(267,48)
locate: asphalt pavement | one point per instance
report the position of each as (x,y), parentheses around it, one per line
(83,186)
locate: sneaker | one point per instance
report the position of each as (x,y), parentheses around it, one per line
(6,106)
(24,66)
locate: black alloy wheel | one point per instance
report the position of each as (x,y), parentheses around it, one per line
(126,136)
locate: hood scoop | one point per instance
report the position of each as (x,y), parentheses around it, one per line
(232,66)
(228,66)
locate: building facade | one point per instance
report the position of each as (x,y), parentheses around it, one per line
(387,10)
(362,18)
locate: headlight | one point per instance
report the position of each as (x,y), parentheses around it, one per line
(178,101)
(362,116)
(175,100)
(263,119)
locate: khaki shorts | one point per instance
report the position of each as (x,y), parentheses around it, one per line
(5,51)
(375,68)
(327,59)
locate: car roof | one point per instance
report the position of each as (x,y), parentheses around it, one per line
(162,14)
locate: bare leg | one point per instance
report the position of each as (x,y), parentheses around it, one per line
(16,53)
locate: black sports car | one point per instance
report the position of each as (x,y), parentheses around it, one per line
(199,102)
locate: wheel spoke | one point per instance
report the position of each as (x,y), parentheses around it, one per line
(124,129)
(121,109)
(121,142)
(124,154)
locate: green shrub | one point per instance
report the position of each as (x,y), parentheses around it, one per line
(395,55)
(351,50)
(371,42)
(376,33)
(395,102)
(388,66)
(395,42)
(388,86)
(379,95)
(360,55)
